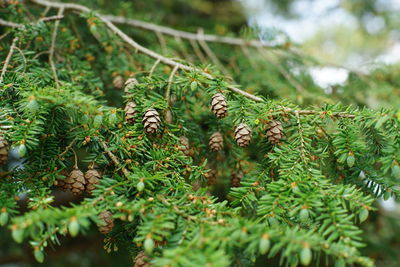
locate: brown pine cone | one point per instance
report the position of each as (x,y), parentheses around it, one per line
(236,177)
(141,260)
(274,132)
(75,182)
(3,150)
(243,135)
(151,120)
(118,82)
(184,145)
(107,222)
(216,141)
(92,177)
(219,105)
(211,177)
(130,112)
(130,84)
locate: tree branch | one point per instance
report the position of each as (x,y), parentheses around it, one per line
(8,58)
(186,35)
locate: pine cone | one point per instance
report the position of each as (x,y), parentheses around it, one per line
(211,177)
(274,132)
(3,150)
(151,120)
(216,141)
(75,182)
(130,112)
(141,260)
(107,222)
(219,105)
(243,135)
(236,177)
(130,84)
(184,145)
(92,177)
(61,182)
(118,82)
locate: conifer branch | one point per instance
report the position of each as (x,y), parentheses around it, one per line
(187,35)
(8,58)
(169,61)
(19,25)
(114,158)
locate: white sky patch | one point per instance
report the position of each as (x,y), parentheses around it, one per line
(327,76)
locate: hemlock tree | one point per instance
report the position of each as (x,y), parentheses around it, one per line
(184,148)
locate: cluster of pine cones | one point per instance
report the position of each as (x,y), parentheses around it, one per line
(77,182)
(151,118)
(219,107)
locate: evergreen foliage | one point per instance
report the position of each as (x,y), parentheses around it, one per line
(301,199)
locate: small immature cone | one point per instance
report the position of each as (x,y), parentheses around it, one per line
(3,150)
(92,177)
(107,222)
(141,260)
(75,182)
(130,84)
(216,141)
(243,135)
(274,132)
(236,177)
(130,112)
(118,82)
(219,105)
(151,121)
(184,145)
(211,177)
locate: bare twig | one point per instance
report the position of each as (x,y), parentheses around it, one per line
(186,35)
(154,67)
(211,54)
(10,24)
(197,51)
(51,18)
(18,25)
(8,58)
(170,79)
(162,41)
(51,51)
(114,158)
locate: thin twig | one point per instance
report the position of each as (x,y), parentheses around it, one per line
(12,24)
(197,51)
(161,40)
(186,35)
(8,58)
(154,67)
(170,79)
(211,54)
(51,51)
(168,113)
(183,50)
(51,18)
(114,158)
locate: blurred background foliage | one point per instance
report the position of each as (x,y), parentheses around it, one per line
(339,51)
